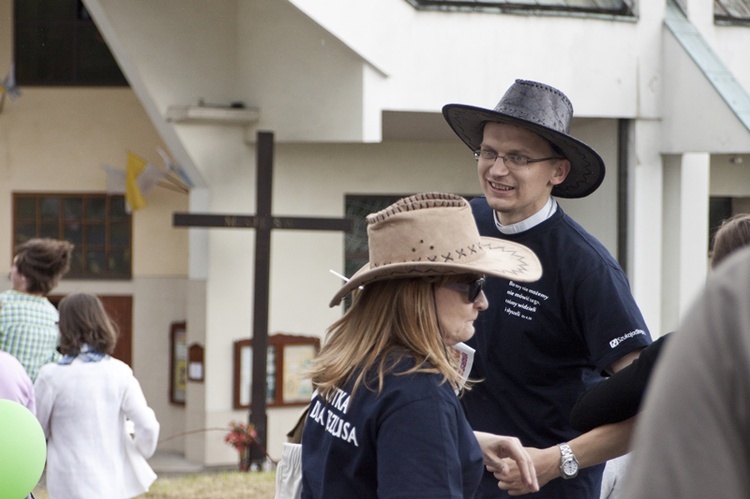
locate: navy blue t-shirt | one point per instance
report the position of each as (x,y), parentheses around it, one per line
(540,345)
(410,441)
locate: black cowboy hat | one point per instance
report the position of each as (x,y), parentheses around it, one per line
(545,111)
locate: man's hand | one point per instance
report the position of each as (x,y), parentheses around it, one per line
(546,463)
(507,455)
(591,448)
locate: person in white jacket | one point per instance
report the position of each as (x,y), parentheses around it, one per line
(83,403)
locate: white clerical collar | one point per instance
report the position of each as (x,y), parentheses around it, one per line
(540,216)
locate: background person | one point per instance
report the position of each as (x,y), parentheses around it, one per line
(732,234)
(83,402)
(386,420)
(693,439)
(15,384)
(28,321)
(541,345)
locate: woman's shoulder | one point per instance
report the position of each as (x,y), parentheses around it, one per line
(48,372)
(117,366)
(414,384)
(20,302)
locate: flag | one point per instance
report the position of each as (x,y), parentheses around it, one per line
(137,179)
(115,180)
(133,195)
(149,177)
(172,167)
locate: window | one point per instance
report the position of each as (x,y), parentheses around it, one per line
(604,7)
(355,242)
(57,43)
(721,208)
(732,12)
(288,357)
(97,224)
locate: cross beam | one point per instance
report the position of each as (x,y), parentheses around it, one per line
(253,222)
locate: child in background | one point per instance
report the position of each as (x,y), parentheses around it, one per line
(83,402)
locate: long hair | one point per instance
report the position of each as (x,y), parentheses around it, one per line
(733,233)
(42,262)
(84,320)
(387,322)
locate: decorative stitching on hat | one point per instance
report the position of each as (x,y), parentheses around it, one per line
(417,272)
(418,202)
(520,259)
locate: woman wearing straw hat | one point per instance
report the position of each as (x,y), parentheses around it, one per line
(386,420)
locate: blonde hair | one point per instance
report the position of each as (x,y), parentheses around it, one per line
(388,321)
(733,233)
(84,320)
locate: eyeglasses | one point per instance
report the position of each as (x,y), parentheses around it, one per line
(472,289)
(486,156)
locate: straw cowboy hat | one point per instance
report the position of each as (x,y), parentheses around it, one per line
(435,234)
(545,111)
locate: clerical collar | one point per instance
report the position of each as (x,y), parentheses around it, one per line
(540,216)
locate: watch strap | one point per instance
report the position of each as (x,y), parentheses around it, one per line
(567,459)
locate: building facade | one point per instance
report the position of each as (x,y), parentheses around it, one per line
(352,92)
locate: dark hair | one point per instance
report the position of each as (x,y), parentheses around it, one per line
(733,233)
(42,262)
(84,320)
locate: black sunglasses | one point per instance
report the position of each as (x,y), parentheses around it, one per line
(472,288)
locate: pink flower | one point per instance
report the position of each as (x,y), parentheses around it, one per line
(241,436)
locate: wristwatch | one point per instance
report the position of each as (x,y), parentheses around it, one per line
(568,463)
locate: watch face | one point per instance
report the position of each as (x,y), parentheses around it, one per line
(570,467)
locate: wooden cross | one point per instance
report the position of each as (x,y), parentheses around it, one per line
(263,222)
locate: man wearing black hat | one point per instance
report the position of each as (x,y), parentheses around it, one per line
(541,345)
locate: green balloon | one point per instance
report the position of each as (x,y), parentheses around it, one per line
(23,450)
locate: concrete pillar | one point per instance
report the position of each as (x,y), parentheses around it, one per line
(686,197)
(646,221)
(195,404)
(694,188)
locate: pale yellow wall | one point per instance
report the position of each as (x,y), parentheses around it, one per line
(6,23)
(57,139)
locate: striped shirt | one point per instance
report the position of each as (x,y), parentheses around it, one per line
(28,329)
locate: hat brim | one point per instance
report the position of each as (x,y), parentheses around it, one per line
(587,167)
(501,258)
